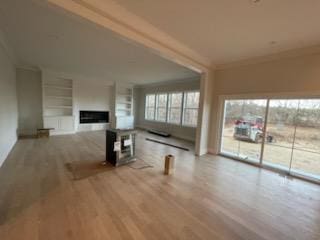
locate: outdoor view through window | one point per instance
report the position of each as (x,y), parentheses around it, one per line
(176,108)
(290,136)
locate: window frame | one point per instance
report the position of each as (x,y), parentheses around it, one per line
(157,107)
(180,107)
(147,107)
(167,108)
(185,93)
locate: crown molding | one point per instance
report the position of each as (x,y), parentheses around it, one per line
(110,15)
(272,57)
(75,77)
(28,67)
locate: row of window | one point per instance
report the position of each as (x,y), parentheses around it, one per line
(177,108)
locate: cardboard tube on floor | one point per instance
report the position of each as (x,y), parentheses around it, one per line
(169,164)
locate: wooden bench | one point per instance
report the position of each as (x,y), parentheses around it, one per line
(44,132)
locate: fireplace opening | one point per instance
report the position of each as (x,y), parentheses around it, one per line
(94,117)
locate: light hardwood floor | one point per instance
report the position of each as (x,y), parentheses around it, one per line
(207,198)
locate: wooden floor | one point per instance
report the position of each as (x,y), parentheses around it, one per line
(207,198)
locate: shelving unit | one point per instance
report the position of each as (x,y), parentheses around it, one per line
(124,99)
(57,97)
(123,106)
(57,103)
(57,86)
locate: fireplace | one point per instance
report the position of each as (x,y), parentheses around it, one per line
(94,117)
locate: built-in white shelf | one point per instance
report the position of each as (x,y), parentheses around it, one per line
(67,107)
(124,95)
(60,97)
(126,103)
(57,103)
(122,109)
(123,106)
(57,87)
(57,96)
(123,100)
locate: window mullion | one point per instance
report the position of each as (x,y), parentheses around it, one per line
(264,134)
(167,106)
(182,108)
(155,106)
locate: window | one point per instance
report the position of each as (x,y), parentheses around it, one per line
(190,108)
(150,107)
(161,107)
(174,107)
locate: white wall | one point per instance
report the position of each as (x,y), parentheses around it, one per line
(188,133)
(291,75)
(91,96)
(29,92)
(8,106)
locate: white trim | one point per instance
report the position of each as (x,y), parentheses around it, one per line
(278,95)
(4,155)
(74,77)
(57,133)
(298,52)
(173,135)
(212,151)
(27,67)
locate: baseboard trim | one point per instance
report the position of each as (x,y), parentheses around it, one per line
(172,135)
(4,156)
(212,151)
(62,133)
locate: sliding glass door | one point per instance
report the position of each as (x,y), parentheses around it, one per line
(289,139)
(306,150)
(242,132)
(229,145)
(280,133)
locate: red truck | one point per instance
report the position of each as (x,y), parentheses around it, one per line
(250,129)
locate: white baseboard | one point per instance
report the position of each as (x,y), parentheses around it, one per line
(5,152)
(93,127)
(61,133)
(212,151)
(173,135)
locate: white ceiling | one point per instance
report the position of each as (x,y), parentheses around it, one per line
(226,31)
(44,37)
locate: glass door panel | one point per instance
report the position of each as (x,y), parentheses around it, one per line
(249,129)
(280,133)
(243,127)
(232,111)
(292,138)
(306,152)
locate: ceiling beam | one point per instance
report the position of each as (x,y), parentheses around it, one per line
(112,16)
